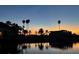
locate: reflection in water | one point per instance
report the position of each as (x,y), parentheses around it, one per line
(29,45)
(24,47)
(76,46)
(47,48)
(34,45)
(62,45)
(41,46)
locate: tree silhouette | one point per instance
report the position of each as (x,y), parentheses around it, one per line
(14,29)
(36,32)
(8,23)
(46,32)
(59,21)
(29,32)
(23,21)
(27,22)
(25,31)
(9,41)
(41,31)
(16,26)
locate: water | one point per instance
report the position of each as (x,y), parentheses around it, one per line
(45,48)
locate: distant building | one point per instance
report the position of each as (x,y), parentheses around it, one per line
(6,31)
(3,29)
(60,36)
(61,32)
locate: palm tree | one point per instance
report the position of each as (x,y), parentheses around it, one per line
(23,21)
(41,31)
(25,31)
(16,26)
(27,22)
(59,21)
(8,23)
(36,32)
(29,32)
(46,32)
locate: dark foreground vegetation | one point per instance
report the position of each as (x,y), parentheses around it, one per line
(11,37)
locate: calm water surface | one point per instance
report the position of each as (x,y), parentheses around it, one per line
(45,48)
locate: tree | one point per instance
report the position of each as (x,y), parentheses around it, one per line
(23,21)
(29,32)
(8,23)
(46,32)
(25,31)
(10,34)
(41,31)
(15,28)
(36,32)
(59,21)
(27,22)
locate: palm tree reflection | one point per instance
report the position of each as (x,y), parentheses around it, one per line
(41,46)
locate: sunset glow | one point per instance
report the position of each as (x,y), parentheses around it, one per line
(45,17)
(39,29)
(74,29)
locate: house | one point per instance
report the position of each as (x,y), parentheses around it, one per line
(3,29)
(60,36)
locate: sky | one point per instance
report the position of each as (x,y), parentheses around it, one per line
(43,16)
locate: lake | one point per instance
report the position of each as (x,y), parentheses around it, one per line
(46,48)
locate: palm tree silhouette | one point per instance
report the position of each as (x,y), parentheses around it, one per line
(25,31)
(8,23)
(36,32)
(46,32)
(23,21)
(29,32)
(59,21)
(27,22)
(41,31)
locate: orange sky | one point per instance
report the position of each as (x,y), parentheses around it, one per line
(73,28)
